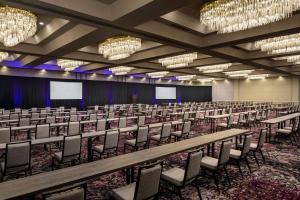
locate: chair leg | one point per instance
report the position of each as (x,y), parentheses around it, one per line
(198,191)
(255,158)
(227,175)
(216,181)
(239,166)
(179,194)
(262,155)
(248,164)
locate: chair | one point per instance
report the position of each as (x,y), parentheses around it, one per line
(34,110)
(71,151)
(14,116)
(93,116)
(239,155)
(146,186)
(257,147)
(24,122)
(35,115)
(287,132)
(17,159)
(141,120)
(184,133)
(42,131)
(141,139)
(165,134)
(215,165)
(227,124)
(111,140)
(111,115)
(163,115)
(76,192)
(74,118)
(179,178)
(73,128)
(122,122)
(50,120)
(5,135)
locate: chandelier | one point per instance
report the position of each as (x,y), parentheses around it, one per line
(16,25)
(294,59)
(214,68)
(119,47)
(69,65)
(281,44)
(178,61)
(3,56)
(185,78)
(258,76)
(242,73)
(225,16)
(120,70)
(204,80)
(158,74)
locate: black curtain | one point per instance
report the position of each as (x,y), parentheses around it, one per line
(35,92)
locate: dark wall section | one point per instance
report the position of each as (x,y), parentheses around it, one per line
(35,92)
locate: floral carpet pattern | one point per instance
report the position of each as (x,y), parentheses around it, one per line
(277,178)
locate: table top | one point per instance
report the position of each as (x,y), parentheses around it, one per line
(281,119)
(54,179)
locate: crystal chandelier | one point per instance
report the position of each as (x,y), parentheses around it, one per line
(119,47)
(258,76)
(3,56)
(178,61)
(214,68)
(16,25)
(120,70)
(69,65)
(293,59)
(281,44)
(225,16)
(158,74)
(204,80)
(242,73)
(185,78)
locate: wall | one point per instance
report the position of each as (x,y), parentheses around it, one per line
(223,90)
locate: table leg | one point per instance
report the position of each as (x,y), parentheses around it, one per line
(89,150)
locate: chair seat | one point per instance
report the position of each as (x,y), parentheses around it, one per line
(174,176)
(222,125)
(236,154)
(124,193)
(288,127)
(98,148)
(155,137)
(209,162)
(283,131)
(76,193)
(58,155)
(234,123)
(177,133)
(253,146)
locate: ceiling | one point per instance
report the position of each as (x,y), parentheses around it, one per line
(73,29)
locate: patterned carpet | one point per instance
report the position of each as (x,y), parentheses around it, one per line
(277,178)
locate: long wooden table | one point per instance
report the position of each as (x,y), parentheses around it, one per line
(278,120)
(29,186)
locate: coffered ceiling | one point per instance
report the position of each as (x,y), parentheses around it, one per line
(73,29)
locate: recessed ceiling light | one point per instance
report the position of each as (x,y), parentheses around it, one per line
(41,23)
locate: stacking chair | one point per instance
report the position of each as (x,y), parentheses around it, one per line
(239,155)
(179,178)
(185,116)
(289,133)
(111,115)
(24,122)
(93,116)
(251,119)
(242,120)
(111,140)
(50,120)
(146,186)
(141,139)
(5,137)
(34,110)
(165,134)
(184,133)
(14,116)
(71,151)
(163,116)
(215,165)
(122,122)
(257,147)
(228,124)
(76,192)
(73,128)
(35,115)
(101,125)
(17,159)
(141,120)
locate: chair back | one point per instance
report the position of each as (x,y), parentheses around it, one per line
(185,116)
(148,179)
(73,112)
(192,168)
(93,116)
(17,110)
(33,109)
(74,118)
(164,113)
(224,152)
(166,130)
(122,122)
(14,116)
(71,146)
(206,113)
(5,135)
(24,122)
(43,112)
(141,120)
(223,111)
(186,127)
(230,120)
(101,125)
(216,112)
(142,134)
(198,115)
(25,112)
(77,191)
(18,155)
(42,131)
(50,119)
(35,115)
(262,138)
(154,111)
(74,128)
(111,115)
(111,139)
(246,144)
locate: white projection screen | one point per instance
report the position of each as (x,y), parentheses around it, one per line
(165,92)
(65,90)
